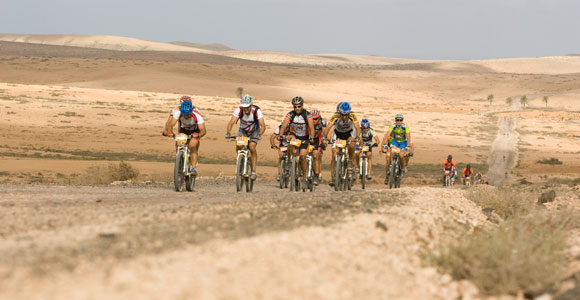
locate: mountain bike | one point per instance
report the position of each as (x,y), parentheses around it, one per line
(243,165)
(342,181)
(309,170)
(395,171)
(364,162)
(181,171)
(449,177)
(295,169)
(284,168)
(467,180)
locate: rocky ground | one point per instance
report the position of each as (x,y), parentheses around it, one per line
(150,242)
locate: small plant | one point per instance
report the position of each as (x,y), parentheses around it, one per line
(545,100)
(240,92)
(551,161)
(524,101)
(490,98)
(509,100)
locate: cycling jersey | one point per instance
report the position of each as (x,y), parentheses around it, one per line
(318,126)
(367,138)
(343,126)
(467,172)
(448,164)
(336,116)
(189,124)
(298,124)
(247,121)
(399,133)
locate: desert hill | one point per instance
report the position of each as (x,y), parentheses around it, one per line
(211,47)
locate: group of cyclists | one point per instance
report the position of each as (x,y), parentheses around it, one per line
(310,128)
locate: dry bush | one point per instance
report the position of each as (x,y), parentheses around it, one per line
(523,254)
(507,204)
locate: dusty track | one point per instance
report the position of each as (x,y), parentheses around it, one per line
(503,151)
(150,242)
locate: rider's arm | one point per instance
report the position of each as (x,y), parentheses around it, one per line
(273,139)
(202,130)
(311,127)
(376,138)
(386,138)
(170,124)
(327,130)
(284,126)
(357,129)
(262,125)
(410,141)
(231,124)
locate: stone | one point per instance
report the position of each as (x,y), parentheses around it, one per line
(547,197)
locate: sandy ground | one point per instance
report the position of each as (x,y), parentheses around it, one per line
(64,109)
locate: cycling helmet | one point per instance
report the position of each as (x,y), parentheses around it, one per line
(338,107)
(315,113)
(184,98)
(297,100)
(399,116)
(449,156)
(468,166)
(344,108)
(186,107)
(246,101)
(364,123)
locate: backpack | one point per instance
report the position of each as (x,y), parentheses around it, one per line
(255,109)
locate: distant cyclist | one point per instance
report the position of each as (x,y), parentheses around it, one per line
(343,127)
(301,125)
(367,136)
(319,147)
(468,172)
(400,137)
(191,123)
(278,140)
(252,125)
(449,165)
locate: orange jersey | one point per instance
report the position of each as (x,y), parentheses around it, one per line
(467,172)
(448,164)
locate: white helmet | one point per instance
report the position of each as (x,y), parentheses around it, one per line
(246,101)
(399,116)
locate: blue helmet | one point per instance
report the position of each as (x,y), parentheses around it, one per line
(186,107)
(364,123)
(344,108)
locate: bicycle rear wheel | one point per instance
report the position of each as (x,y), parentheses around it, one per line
(337,173)
(281,174)
(363,178)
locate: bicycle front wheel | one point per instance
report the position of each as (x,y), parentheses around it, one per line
(178,176)
(239,172)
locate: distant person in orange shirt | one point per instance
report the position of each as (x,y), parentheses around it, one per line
(468,171)
(450,165)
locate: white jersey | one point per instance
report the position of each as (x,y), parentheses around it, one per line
(189,123)
(247,122)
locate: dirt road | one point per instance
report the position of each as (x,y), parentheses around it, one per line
(503,151)
(149,242)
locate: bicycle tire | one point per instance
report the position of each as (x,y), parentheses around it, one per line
(178,176)
(363,178)
(249,181)
(281,174)
(292,173)
(239,172)
(337,167)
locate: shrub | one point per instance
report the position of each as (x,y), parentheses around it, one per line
(506,204)
(551,161)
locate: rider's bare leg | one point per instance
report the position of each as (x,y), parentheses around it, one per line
(254,155)
(193,148)
(370,162)
(333,161)
(316,155)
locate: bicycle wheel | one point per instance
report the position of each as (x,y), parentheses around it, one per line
(337,173)
(393,174)
(363,178)
(344,180)
(178,176)
(281,174)
(248,180)
(239,172)
(190,183)
(292,173)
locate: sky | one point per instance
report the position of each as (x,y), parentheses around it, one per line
(429,29)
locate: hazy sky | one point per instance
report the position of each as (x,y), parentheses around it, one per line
(429,29)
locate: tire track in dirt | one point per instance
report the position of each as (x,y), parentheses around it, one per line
(504,153)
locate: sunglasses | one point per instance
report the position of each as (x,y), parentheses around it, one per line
(297,106)
(399,120)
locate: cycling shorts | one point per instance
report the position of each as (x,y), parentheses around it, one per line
(400,145)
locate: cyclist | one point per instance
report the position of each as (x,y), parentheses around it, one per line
(181,99)
(282,141)
(191,123)
(344,127)
(468,171)
(449,165)
(252,125)
(319,147)
(300,124)
(367,135)
(399,135)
